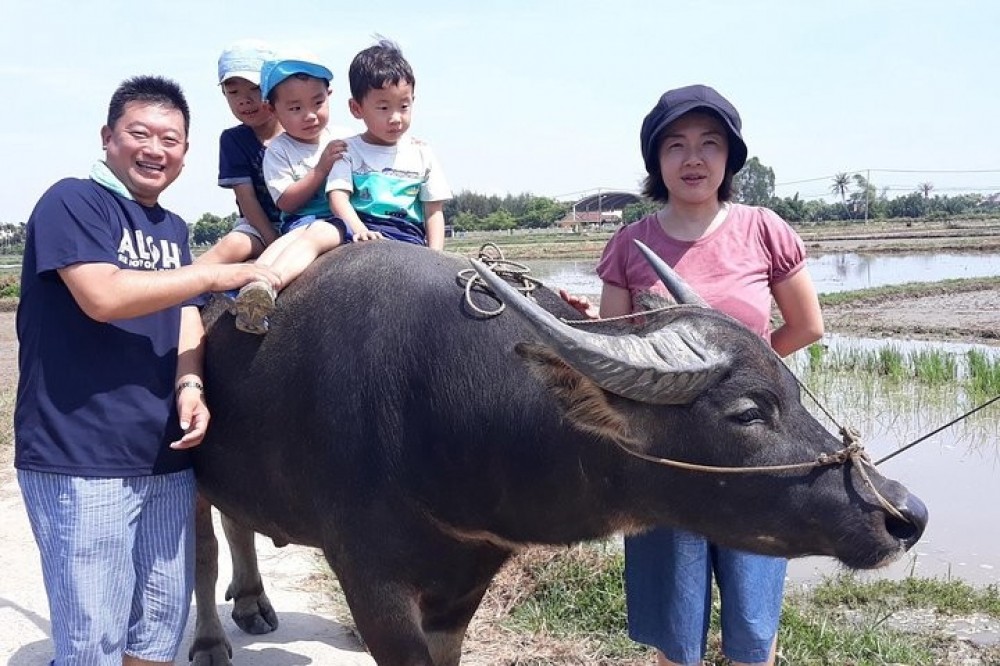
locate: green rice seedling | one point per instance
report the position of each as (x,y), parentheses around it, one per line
(983,374)
(816,354)
(888,362)
(844,359)
(933,366)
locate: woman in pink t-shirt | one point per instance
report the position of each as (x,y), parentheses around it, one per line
(738,258)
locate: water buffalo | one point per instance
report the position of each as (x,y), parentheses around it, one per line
(419,443)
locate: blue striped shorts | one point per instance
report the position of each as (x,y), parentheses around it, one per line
(117,561)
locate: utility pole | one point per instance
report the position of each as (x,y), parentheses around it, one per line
(868,188)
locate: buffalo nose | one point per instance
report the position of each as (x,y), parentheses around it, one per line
(911,529)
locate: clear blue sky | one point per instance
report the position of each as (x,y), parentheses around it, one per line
(537,96)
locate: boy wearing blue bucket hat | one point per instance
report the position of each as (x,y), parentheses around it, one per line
(296,165)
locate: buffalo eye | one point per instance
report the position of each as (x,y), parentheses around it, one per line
(752,415)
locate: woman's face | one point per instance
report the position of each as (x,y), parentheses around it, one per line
(693,153)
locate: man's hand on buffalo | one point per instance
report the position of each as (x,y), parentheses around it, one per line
(194,415)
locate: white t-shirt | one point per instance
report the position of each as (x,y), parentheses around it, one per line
(388,185)
(409,158)
(287,160)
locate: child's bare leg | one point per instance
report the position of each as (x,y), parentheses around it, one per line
(274,250)
(317,238)
(233,248)
(256,301)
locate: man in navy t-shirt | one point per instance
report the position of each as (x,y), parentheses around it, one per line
(109,395)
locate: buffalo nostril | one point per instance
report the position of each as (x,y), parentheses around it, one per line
(910,530)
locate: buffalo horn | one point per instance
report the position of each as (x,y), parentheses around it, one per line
(670,366)
(674,283)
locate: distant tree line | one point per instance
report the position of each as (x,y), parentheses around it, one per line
(467,211)
(859,199)
(12,238)
(470,211)
(210,228)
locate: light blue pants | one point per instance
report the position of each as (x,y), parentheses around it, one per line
(117,560)
(668,588)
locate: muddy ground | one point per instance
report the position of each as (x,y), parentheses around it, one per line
(937,313)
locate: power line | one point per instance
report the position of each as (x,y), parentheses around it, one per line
(856,171)
(936,170)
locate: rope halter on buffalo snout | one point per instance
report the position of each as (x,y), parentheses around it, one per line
(675,366)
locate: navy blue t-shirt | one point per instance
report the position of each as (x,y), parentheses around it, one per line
(96,399)
(241,159)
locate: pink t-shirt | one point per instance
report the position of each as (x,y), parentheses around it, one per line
(733,268)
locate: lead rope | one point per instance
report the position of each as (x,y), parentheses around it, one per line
(937,430)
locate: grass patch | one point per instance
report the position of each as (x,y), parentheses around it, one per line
(908,290)
(559,606)
(579,594)
(808,637)
(10,285)
(10,291)
(948,596)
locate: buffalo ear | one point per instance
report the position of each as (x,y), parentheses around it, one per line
(585,403)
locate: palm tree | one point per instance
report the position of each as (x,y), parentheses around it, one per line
(841,182)
(925,188)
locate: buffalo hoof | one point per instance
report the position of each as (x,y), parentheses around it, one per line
(254,614)
(210,652)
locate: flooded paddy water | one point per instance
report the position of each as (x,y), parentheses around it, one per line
(956,472)
(830,272)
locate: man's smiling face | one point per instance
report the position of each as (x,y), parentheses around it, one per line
(145,149)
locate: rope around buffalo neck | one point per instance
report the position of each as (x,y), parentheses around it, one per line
(492,256)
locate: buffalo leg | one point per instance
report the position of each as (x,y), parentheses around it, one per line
(420,620)
(388,619)
(445,622)
(210,646)
(252,611)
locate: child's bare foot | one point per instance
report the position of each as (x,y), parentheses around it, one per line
(254,304)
